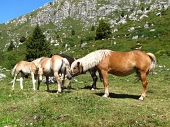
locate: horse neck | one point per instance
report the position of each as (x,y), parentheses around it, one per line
(92,59)
(33,66)
(37,61)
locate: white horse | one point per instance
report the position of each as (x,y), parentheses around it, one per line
(56,66)
(26,69)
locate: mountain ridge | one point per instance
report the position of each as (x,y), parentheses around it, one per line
(85,13)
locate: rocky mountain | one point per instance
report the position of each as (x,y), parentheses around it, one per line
(60,16)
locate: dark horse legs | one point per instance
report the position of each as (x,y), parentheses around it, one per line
(92,72)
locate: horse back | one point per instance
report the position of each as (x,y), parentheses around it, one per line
(56,62)
(43,62)
(125,63)
(69,58)
(22,66)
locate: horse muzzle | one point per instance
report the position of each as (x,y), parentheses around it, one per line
(69,77)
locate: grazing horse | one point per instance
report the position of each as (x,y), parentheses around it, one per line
(92,70)
(117,63)
(26,69)
(56,66)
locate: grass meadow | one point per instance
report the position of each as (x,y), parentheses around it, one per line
(83,107)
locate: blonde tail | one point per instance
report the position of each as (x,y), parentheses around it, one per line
(153,62)
(13,70)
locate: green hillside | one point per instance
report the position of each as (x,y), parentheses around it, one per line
(149,34)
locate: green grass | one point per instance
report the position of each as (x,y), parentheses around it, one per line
(82,107)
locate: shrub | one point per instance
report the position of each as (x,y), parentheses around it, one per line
(103,30)
(22,39)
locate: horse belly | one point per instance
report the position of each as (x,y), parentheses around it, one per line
(122,72)
(48,72)
(26,71)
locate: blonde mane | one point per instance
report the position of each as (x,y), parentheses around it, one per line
(92,59)
(36,61)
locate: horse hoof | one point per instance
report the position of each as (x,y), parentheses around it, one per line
(105,96)
(92,88)
(141,98)
(58,92)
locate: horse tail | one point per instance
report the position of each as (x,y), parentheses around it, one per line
(66,62)
(13,70)
(67,66)
(153,62)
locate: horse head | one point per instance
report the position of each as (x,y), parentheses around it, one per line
(76,68)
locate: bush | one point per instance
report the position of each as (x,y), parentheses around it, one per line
(22,39)
(103,30)
(73,32)
(11,46)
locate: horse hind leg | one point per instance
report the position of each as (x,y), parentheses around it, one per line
(13,81)
(38,87)
(144,84)
(57,77)
(33,80)
(106,83)
(47,83)
(62,78)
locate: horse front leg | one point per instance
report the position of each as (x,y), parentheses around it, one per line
(38,87)
(94,77)
(33,80)
(105,82)
(21,80)
(144,84)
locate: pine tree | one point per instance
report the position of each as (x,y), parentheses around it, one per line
(103,30)
(37,46)
(73,32)
(22,39)
(93,28)
(11,46)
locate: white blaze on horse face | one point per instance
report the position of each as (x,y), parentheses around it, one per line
(40,73)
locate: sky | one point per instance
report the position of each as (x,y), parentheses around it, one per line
(10,9)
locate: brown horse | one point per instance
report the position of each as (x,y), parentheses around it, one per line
(55,66)
(26,69)
(117,63)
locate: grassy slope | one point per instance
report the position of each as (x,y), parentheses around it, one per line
(82,107)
